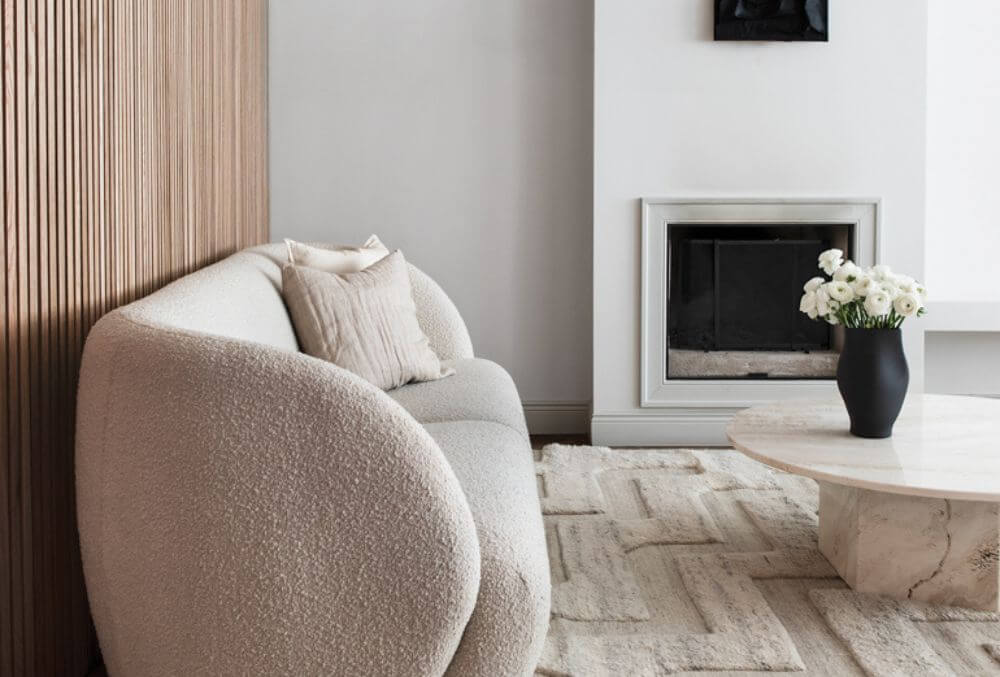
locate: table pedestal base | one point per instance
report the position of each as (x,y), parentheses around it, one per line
(908,547)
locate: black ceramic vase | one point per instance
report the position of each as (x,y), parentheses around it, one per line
(872,376)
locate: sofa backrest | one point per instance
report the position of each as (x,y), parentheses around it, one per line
(238,297)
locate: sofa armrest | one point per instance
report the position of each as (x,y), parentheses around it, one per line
(248,510)
(439,318)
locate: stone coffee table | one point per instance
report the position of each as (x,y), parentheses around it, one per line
(911,517)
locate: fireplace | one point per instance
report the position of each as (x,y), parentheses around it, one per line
(720,285)
(732,300)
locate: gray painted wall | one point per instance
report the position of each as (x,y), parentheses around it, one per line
(461,133)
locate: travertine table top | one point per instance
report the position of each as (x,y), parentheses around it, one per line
(943,446)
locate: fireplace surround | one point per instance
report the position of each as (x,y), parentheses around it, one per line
(715,334)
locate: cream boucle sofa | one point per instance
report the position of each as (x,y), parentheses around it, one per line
(247,509)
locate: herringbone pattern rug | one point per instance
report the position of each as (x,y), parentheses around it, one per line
(704,561)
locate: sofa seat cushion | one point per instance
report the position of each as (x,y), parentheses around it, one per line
(479,390)
(495,468)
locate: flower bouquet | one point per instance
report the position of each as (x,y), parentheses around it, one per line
(871,304)
(873,298)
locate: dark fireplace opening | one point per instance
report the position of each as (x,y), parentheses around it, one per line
(733,297)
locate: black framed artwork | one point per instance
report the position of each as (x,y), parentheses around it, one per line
(788,20)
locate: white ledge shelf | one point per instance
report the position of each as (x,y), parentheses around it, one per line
(962,316)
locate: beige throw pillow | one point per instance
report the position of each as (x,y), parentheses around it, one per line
(336,258)
(365,322)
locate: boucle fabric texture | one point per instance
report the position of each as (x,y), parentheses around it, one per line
(238,297)
(706,562)
(439,318)
(494,466)
(365,322)
(245,508)
(480,390)
(336,258)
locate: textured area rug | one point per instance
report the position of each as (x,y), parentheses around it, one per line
(704,561)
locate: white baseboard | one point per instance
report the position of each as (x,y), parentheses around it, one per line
(661,428)
(557,417)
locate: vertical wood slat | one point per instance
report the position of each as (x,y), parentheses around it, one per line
(7,217)
(132,150)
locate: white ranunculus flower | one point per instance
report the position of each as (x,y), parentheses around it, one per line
(831,260)
(822,301)
(887,297)
(848,272)
(840,291)
(863,285)
(906,305)
(892,290)
(918,290)
(878,303)
(808,302)
(813,284)
(881,272)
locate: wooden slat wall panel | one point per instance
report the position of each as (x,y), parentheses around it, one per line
(133,150)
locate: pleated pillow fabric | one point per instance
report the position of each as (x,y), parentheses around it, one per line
(336,258)
(365,322)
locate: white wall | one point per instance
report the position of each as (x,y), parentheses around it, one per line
(677,114)
(963,150)
(963,202)
(461,133)
(963,362)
